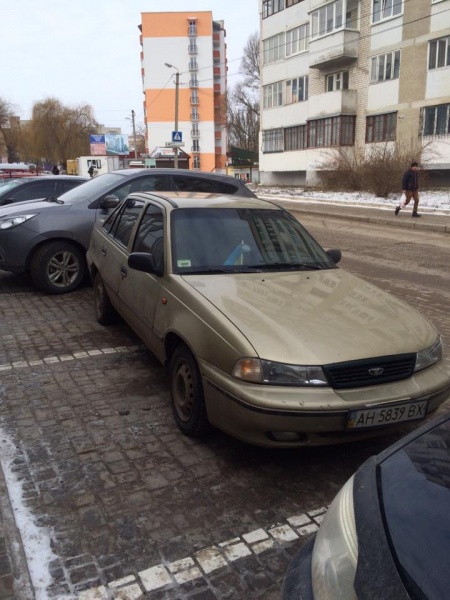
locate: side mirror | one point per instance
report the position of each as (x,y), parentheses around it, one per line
(335,255)
(110,201)
(145,262)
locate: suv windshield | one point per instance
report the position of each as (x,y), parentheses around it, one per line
(208,240)
(97,187)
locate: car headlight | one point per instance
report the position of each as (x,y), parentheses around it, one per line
(8,222)
(335,553)
(256,370)
(429,356)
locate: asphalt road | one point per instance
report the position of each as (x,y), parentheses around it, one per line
(129,503)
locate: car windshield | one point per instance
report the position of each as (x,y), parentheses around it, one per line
(222,240)
(9,185)
(97,187)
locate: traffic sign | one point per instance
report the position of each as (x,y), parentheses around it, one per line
(177,136)
(174,144)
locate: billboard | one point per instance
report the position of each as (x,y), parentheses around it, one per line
(116,143)
(97,145)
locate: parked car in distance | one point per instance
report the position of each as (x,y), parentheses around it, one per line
(42,186)
(387,533)
(48,239)
(261,334)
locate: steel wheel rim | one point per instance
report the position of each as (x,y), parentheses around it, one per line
(63,269)
(183,391)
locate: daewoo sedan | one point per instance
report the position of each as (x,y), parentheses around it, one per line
(386,535)
(262,335)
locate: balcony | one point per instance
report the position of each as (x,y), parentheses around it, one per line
(334,50)
(195,134)
(193,49)
(192,30)
(195,148)
(332,103)
(193,83)
(194,117)
(194,100)
(193,65)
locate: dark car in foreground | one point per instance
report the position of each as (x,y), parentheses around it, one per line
(48,239)
(42,186)
(262,335)
(386,535)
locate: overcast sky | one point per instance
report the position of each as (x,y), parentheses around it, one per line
(88,51)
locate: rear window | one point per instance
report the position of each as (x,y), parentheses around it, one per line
(197,184)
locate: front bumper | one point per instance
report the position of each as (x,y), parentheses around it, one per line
(258,414)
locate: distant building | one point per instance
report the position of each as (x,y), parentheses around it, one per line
(352,73)
(195,45)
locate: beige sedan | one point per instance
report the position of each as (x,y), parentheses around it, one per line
(262,335)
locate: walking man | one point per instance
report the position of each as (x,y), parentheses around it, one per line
(410,187)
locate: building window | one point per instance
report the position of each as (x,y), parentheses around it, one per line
(297,89)
(436,120)
(273,95)
(385,67)
(196,162)
(381,128)
(270,7)
(295,138)
(273,48)
(326,19)
(292,2)
(195,146)
(192,30)
(439,55)
(332,131)
(337,81)
(385,9)
(297,40)
(272,140)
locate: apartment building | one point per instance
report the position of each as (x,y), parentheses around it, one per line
(192,45)
(352,73)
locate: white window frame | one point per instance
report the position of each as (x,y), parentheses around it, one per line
(442,52)
(379,67)
(273,48)
(383,10)
(293,87)
(327,19)
(339,81)
(273,140)
(273,95)
(297,40)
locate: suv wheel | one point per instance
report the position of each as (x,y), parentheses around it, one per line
(186,393)
(58,268)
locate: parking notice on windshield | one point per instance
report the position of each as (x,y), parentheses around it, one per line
(395,413)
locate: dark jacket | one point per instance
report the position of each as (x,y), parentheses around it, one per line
(410,180)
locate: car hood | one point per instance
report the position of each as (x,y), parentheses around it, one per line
(20,208)
(316,317)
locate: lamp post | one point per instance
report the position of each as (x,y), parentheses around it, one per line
(177,85)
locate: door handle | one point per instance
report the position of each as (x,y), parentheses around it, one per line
(123,272)
(103,251)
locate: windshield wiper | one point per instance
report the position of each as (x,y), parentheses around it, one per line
(286,265)
(53,199)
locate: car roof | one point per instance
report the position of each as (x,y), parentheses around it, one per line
(186,172)
(205,200)
(26,180)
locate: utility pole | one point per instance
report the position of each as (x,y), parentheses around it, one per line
(177,85)
(134,134)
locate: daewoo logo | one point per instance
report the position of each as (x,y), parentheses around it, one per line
(376,371)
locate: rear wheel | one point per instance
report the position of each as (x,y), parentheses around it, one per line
(105,313)
(58,267)
(186,393)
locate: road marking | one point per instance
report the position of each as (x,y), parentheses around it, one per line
(204,562)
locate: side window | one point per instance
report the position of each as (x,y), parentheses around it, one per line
(225,188)
(65,185)
(123,225)
(41,189)
(194,184)
(152,183)
(150,235)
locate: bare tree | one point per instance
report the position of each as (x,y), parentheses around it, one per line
(10,133)
(243,107)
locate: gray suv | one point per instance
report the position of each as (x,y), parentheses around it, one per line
(48,238)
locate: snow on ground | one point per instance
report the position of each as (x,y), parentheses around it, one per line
(430,200)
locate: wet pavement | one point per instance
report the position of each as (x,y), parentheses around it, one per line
(132,508)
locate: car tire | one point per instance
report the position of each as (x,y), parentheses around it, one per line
(105,313)
(58,268)
(186,393)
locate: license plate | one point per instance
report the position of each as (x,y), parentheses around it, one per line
(395,413)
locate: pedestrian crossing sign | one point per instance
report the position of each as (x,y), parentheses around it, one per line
(177,136)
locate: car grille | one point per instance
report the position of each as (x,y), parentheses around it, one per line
(372,371)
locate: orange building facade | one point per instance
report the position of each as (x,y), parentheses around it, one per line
(193,44)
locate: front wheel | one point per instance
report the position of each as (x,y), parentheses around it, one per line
(186,393)
(105,312)
(58,267)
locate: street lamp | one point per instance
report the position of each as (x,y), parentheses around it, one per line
(177,85)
